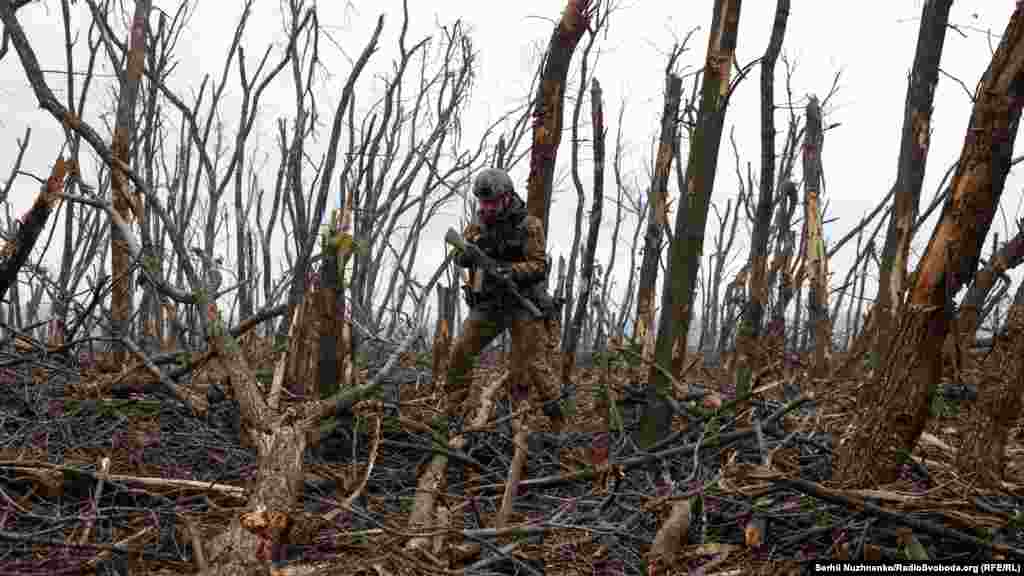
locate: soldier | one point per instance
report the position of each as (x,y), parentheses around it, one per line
(516,240)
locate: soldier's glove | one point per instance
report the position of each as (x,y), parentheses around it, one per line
(505,271)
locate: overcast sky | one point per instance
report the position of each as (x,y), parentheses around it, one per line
(870,43)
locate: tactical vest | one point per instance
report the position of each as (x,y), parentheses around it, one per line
(506,241)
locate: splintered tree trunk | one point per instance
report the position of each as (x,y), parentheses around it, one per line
(894,410)
(653,423)
(999,404)
(330,324)
(547,126)
(120,259)
(446,298)
(754,312)
(687,245)
(917,114)
(15,251)
(657,217)
(815,258)
(593,230)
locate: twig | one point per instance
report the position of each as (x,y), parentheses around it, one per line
(937,530)
(197,544)
(104,469)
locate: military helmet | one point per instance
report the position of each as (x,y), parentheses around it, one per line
(491,183)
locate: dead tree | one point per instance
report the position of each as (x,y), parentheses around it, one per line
(910,172)
(574,170)
(713,318)
(49,102)
(688,240)
(593,231)
(751,327)
(15,251)
(815,258)
(619,188)
(547,112)
(639,207)
(893,411)
(127,205)
(657,207)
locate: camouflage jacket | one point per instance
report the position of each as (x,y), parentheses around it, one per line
(516,240)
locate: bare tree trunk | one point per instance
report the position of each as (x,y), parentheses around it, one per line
(816,259)
(124,204)
(657,208)
(447,296)
(610,267)
(750,329)
(627,305)
(894,409)
(574,153)
(547,127)
(593,231)
(723,246)
(910,173)
(688,244)
(688,240)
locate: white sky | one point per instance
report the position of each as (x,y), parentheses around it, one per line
(871,43)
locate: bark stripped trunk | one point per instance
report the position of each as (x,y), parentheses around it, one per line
(574,165)
(125,205)
(593,230)
(15,252)
(815,258)
(999,403)
(657,215)
(330,324)
(687,245)
(753,315)
(446,299)
(547,127)
(893,412)
(910,173)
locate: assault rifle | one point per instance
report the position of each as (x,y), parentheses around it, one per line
(490,267)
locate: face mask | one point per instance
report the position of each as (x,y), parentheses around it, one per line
(488,210)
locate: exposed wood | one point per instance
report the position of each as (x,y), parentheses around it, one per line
(913,157)
(15,252)
(657,210)
(515,469)
(433,479)
(893,409)
(125,205)
(688,236)
(547,113)
(754,311)
(815,258)
(998,406)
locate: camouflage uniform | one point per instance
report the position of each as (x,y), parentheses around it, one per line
(516,240)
